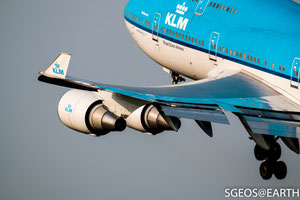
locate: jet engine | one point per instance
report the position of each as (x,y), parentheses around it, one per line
(83,111)
(151,119)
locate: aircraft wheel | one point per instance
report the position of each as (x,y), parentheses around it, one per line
(280,170)
(260,154)
(266,170)
(275,152)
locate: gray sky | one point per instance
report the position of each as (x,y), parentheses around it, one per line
(42,159)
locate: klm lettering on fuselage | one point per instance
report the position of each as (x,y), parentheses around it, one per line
(180,22)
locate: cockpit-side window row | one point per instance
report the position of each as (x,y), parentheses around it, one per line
(182,36)
(137,18)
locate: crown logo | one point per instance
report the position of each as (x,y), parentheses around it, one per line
(181,9)
(69,108)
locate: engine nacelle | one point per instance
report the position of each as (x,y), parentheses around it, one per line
(150,119)
(83,111)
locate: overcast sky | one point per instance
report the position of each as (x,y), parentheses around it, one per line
(42,159)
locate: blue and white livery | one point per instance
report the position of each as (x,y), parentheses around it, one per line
(244,58)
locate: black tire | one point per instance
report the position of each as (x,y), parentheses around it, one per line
(265,170)
(280,170)
(275,151)
(260,154)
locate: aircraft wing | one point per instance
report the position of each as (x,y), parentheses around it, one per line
(261,109)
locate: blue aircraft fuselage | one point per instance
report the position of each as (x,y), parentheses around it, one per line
(260,34)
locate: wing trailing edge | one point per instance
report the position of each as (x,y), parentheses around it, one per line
(254,102)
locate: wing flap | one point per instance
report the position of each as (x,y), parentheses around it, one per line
(273,127)
(216,116)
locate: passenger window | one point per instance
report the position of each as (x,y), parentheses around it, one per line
(223,50)
(251,58)
(272,65)
(230,51)
(258,61)
(189,38)
(266,63)
(283,68)
(279,67)
(196,41)
(234,11)
(192,40)
(202,42)
(247,57)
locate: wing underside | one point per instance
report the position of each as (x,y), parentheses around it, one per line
(261,109)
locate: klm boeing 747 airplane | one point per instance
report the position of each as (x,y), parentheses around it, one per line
(243,58)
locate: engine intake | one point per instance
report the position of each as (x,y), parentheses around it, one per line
(83,111)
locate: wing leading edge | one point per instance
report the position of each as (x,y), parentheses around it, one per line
(261,109)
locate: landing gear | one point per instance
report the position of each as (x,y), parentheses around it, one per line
(280,170)
(265,170)
(271,165)
(176,78)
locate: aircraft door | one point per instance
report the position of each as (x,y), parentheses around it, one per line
(213,46)
(155,28)
(295,73)
(200,9)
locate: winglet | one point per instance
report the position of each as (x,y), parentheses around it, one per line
(59,67)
